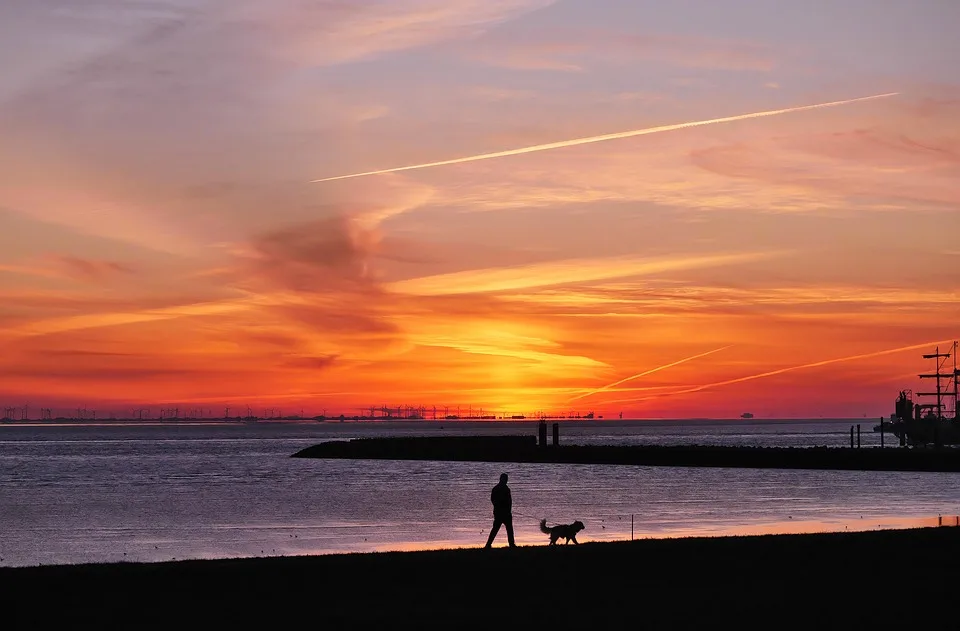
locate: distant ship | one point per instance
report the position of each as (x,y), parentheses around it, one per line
(938,422)
(884,426)
(746,415)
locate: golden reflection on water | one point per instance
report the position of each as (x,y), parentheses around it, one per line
(794,526)
(418,546)
(785,527)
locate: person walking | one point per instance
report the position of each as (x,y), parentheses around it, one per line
(502,511)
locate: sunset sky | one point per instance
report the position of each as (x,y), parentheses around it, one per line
(164,241)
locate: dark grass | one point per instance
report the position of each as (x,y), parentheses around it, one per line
(525,449)
(880,579)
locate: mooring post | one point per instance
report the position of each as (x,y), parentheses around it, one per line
(556,434)
(881,432)
(851,437)
(542,432)
(858,435)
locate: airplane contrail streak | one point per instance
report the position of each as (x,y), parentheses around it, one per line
(647,372)
(781,371)
(614,136)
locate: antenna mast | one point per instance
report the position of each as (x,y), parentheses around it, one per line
(942,390)
(956,383)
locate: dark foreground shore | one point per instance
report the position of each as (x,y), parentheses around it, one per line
(525,449)
(880,579)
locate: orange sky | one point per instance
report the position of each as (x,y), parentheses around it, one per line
(163,242)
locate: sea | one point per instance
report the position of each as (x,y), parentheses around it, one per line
(145,492)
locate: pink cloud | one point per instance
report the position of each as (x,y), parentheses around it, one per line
(878,163)
(574,50)
(92,269)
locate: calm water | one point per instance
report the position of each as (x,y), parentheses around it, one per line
(150,493)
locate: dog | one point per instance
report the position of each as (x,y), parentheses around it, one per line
(562,531)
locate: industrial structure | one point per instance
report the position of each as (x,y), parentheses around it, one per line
(934,418)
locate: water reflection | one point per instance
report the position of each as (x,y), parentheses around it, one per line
(71,495)
(772,528)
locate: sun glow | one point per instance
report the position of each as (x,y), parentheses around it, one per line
(408,203)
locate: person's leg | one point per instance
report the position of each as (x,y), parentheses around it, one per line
(493,531)
(508,522)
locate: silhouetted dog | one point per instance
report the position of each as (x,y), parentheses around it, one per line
(562,531)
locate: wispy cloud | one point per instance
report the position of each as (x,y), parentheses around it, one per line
(564,272)
(73,267)
(605,137)
(93,269)
(160,239)
(780,371)
(189,85)
(573,50)
(92,321)
(880,157)
(909,168)
(649,371)
(626,297)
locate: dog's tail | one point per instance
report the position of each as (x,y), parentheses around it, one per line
(543,526)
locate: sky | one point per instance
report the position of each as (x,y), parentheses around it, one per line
(166,240)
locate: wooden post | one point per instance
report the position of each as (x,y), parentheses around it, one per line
(851,437)
(881,432)
(542,432)
(556,434)
(858,435)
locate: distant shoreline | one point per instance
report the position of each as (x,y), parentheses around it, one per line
(874,579)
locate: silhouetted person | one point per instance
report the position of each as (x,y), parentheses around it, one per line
(502,511)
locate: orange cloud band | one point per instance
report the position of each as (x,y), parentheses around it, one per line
(780,371)
(646,372)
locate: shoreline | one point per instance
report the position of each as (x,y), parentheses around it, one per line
(524,449)
(875,578)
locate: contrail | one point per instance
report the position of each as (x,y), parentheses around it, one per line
(614,136)
(648,372)
(780,371)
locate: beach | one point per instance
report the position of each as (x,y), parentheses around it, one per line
(877,579)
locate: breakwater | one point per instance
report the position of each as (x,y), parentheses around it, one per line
(526,449)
